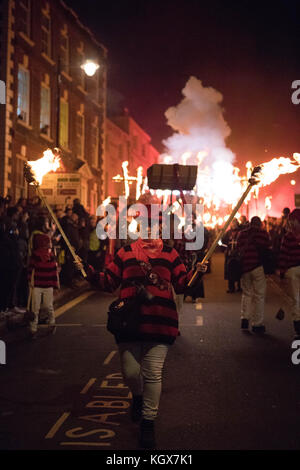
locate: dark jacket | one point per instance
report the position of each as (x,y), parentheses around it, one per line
(290,252)
(249,242)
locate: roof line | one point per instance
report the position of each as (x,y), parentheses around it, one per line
(74,14)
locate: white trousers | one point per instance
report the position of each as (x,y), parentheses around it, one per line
(142,365)
(42,296)
(292,285)
(254,286)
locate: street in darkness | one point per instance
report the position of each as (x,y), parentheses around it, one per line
(222,389)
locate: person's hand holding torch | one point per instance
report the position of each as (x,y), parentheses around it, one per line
(50,163)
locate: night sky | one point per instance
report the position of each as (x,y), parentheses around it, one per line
(247,50)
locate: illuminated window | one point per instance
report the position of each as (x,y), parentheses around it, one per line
(45,111)
(46,34)
(80,135)
(64,52)
(64,124)
(23,94)
(25,17)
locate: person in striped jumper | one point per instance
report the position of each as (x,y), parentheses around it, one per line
(158,267)
(253,280)
(42,273)
(289,266)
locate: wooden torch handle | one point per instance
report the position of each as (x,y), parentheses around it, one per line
(228,222)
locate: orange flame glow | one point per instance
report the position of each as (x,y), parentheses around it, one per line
(42,166)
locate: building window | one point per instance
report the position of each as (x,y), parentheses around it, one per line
(120,152)
(46,34)
(95,145)
(81,73)
(45,111)
(19,175)
(135,142)
(65,53)
(25,17)
(80,135)
(94,87)
(64,124)
(23,94)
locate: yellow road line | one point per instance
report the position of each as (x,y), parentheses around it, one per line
(57,425)
(109,358)
(88,386)
(72,303)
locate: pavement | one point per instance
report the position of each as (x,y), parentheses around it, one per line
(61,297)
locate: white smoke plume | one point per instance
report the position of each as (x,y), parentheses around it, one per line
(200,126)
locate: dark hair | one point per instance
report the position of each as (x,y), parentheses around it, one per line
(255,220)
(39,223)
(11,211)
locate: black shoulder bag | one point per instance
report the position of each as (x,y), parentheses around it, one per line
(124,314)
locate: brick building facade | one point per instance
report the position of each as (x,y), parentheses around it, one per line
(50,101)
(126,141)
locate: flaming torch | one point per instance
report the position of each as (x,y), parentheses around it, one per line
(34,172)
(253,180)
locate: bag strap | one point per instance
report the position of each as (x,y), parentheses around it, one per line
(162,282)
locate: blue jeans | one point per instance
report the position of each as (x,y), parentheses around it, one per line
(142,364)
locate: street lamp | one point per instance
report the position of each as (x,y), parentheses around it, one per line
(90,67)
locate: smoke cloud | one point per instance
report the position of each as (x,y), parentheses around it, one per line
(199,126)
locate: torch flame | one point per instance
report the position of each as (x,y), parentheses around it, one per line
(271,170)
(268,203)
(42,166)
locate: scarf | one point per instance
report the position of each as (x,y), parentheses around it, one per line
(145,249)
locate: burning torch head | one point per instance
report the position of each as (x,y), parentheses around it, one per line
(255,175)
(28,173)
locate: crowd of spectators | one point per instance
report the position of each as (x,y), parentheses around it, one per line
(19,221)
(17,224)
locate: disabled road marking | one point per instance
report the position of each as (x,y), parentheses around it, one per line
(109,358)
(57,425)
(88,386)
